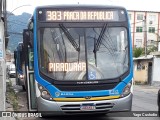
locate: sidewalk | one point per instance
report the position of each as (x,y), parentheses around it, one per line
(147,88)
(8,104)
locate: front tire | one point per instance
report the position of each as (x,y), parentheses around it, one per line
(23,87)
(158,111)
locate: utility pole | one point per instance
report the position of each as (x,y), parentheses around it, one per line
(145,35)
(158,43)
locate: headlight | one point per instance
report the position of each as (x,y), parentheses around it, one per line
(126,90)
(21,76)
(44,93)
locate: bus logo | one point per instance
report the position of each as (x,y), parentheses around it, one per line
(57,94)
(114,92)
(88,97)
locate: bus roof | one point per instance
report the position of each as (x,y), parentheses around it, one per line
(80,6)
(76,7)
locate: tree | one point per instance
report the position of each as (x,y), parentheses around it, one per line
(138,52)
(152,49)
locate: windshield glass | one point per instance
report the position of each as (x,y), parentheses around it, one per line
(79,53)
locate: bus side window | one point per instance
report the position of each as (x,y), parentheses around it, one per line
(45,61)
(30,50)
(31,58)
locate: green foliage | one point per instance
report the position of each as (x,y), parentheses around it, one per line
(137,52)
(151,49)
(11,95)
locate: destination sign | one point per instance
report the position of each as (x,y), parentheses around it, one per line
(102,15)
(81,66)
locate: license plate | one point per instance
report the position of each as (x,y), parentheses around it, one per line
(87,107)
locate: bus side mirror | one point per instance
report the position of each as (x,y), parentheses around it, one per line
(28,38)
(31,38)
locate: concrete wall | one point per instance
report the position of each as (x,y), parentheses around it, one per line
(156,71)
(2,68)
(141,74)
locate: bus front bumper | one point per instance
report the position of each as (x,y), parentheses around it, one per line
(67,108)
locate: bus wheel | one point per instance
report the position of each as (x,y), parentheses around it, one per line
(23,87)
(159,111)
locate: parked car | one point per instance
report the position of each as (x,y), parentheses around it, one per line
(12,71)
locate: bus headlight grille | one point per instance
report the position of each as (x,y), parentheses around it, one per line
(44,93)
(126,90)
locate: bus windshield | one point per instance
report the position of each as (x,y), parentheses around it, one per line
(83,53)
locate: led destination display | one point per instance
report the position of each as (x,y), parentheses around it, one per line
(67,67)
(79,15)
(83,15)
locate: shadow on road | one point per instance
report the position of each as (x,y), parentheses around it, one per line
(78,117)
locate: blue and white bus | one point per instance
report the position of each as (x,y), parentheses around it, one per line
(79,59)
(19,64)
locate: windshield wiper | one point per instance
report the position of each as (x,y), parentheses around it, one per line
(99,40)
(98,43)
(70,38)
(94,51)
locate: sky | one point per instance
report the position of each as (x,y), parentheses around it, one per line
(19,6)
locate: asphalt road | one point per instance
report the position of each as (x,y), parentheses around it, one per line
(144,99)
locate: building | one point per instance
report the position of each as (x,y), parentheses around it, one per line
(147,70)
(3,22)
(145,31)
(156,68)
(143,69)
(142,21)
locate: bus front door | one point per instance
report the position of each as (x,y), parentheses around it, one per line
(29,70)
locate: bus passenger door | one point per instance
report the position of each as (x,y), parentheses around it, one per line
(29,70)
